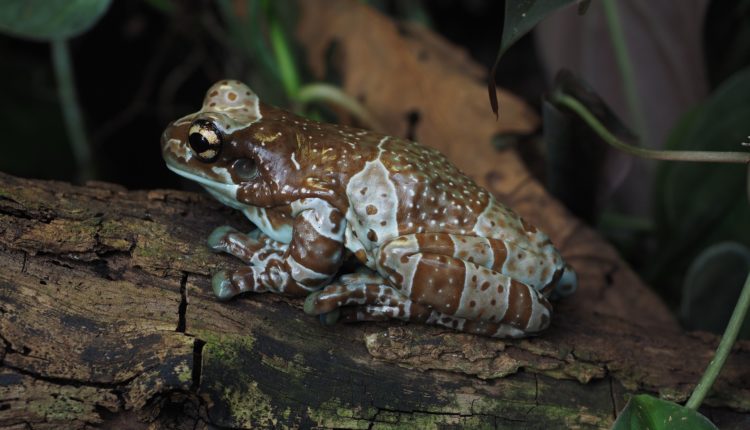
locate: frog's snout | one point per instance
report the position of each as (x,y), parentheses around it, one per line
(166,136)
(173,145)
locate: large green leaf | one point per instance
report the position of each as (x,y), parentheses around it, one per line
(699,204)
(646,412)
(46,20)
(705,307)
(520,17)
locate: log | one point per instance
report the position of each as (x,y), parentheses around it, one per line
(107,320)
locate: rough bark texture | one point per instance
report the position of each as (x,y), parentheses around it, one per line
(106,318)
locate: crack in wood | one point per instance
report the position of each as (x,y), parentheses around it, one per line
(197,369)
(23,263)
(612,396)
(72,382)
(182,310)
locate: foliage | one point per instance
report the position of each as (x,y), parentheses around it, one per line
(648,412)
(48,20)
(694,200)
(701,204)
(55,21)
(520,17)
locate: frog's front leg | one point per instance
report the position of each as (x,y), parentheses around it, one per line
(309,261)
(250,248)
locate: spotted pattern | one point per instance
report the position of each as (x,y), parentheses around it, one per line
(230,104)
(439,249)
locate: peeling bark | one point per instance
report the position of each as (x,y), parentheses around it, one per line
(107,319)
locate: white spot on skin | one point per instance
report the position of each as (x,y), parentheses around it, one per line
(222,173)
(294,161)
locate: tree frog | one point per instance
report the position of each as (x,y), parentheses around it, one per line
(434,247)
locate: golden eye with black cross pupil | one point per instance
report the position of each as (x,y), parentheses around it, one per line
(205,140)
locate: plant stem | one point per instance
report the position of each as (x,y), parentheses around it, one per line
(625,66)
(284,57)
(71,112)
(247,32)
(333,94)
(725,346)
(601,130)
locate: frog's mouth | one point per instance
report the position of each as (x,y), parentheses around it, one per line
(226,193)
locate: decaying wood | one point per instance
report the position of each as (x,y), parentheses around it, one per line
(106,318)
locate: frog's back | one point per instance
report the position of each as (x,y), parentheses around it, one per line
(435,196)
(416,189)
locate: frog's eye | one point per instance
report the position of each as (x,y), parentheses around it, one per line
(205,139)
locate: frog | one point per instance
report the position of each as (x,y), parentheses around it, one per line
(430,245)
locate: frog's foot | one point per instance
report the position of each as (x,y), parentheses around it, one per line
(567,285)
(348,292)
(355,302)
(229,284)
(426,315)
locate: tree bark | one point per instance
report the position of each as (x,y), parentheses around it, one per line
(107,319)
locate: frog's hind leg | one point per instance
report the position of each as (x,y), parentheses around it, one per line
(366,297)
(428,270)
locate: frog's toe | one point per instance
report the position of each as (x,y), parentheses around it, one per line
(330,318)
(311,303)
(312,307)
(567,285)
(218,238)
(222,285)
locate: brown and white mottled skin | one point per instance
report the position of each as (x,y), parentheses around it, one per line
(437,248)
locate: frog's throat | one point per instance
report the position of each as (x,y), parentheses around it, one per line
(227,195)
(224,193)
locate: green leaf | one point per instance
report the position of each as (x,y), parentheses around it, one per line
(46,20)
(700,204)
(164,6)
(520,17)
(705,307)
(644,412)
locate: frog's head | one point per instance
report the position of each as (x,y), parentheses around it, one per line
(210,146)
(246,153)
